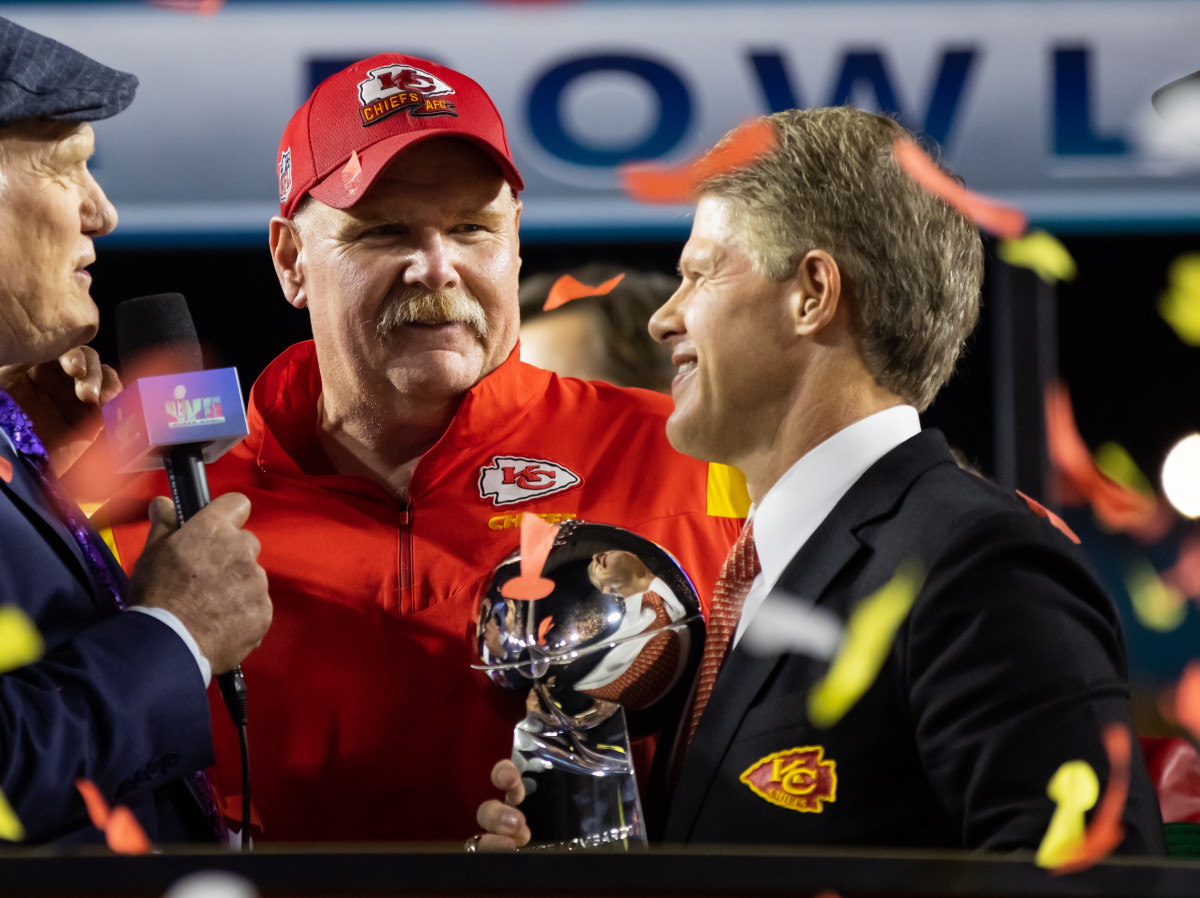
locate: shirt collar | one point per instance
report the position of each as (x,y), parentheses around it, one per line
(282,409)
(805,495)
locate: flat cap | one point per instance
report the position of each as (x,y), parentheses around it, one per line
(41,78)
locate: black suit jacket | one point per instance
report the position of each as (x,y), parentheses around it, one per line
(117,698)
(1009,664)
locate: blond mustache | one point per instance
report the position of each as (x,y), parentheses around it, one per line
(441,307)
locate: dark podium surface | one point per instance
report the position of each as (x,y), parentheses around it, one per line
(380,870)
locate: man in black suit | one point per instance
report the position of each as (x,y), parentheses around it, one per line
(118,697)
(825,299)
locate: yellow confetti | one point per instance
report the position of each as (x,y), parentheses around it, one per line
(869,634)
(1118,465)
(727,495)
(1179,304)
(11,829)
(1074,789)
(20,641)
(1158,606)
(1040,252)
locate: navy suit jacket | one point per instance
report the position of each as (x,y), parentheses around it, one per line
(117,698)
(1010,663)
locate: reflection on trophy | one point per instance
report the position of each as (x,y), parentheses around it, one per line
(609,652)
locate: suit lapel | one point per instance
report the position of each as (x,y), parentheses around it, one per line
(25,492)
(808,575)
(742,677)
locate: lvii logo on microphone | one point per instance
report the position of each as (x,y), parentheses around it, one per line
(185,412)
(510,479)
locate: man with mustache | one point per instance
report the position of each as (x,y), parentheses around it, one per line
(391,458)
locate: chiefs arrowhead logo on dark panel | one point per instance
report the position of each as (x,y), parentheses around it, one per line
(799,779)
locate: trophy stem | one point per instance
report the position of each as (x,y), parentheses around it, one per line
(581,789)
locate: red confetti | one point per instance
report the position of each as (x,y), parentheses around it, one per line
(1115,506)
(6,470)
(677,184)
(121,829)
(97,807)
(989,215)
(1174,767)
(1185,574)
(527,588)
(537,537)
(746,143)
(124,834)
(1042,511)
(194,7)
(230,807)
(352,173)
(93,478)
(566,288)
(1106,831)
(1187,699)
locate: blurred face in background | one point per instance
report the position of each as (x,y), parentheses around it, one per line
(567,342)
(601,335)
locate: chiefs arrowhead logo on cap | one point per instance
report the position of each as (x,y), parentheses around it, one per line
(393,88)
(799,779)
(510,479)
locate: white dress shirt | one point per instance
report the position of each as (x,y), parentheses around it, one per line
(804,496)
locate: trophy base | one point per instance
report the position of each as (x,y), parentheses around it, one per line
(581,790)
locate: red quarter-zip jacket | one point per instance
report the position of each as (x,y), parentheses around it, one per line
(366,719)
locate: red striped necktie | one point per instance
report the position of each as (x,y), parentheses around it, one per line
(740,568)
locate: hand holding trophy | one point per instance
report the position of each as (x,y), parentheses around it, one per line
(608,652)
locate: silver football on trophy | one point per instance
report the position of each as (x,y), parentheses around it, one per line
(622,624)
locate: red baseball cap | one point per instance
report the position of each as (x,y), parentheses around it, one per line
(360,119)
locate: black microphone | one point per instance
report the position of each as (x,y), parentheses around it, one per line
(157,346)
(174,415)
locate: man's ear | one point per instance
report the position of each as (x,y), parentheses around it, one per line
(287,252)
(818,292)
(517,224)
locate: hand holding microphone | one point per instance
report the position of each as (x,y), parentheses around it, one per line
(206,573)
(202,566)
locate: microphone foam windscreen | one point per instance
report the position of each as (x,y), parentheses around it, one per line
(155,335)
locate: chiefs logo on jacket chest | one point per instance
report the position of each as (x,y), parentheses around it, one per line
(510,479)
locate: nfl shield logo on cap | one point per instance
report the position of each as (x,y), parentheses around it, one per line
(285,175)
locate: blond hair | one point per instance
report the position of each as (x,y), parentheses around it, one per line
(910,264)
